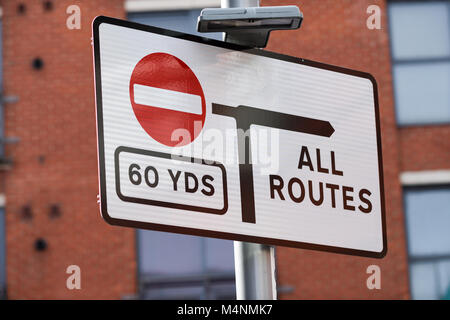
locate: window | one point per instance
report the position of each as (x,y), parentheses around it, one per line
(183,21)
(428,225)
(173,266)
(420,44)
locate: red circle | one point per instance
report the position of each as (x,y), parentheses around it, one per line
(165,71)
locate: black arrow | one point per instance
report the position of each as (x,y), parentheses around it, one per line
(274,119)
(246,116)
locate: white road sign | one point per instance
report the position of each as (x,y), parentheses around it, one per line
(201,137)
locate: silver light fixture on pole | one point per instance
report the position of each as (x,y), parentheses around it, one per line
(245,23)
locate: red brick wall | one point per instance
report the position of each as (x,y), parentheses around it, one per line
(425,148)
(55,121)
(55,160)
(335,32)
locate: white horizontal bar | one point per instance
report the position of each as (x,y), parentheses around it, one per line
(161,5)
(167,99)
(422,178)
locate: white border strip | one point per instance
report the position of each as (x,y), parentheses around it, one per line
(2,200)
(162,5)
(421,178)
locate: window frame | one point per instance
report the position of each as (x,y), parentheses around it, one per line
(427,257)
(417,259)
(205,279)
(412,61)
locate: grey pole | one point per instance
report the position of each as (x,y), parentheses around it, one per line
(254,263)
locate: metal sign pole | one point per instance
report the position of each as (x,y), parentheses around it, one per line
(254,263)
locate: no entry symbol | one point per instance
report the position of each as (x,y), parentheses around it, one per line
(166,96)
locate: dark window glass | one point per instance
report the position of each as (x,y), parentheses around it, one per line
(173,266)
(182,21)
(428,227)
(420,38)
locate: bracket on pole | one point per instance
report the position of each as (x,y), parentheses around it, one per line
(251,26)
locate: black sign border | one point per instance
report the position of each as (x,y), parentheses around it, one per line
(216,234)
(166,204)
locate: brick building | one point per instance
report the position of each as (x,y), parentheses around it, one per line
(48,177)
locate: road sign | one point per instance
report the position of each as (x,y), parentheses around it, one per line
(166,96)
(201,137)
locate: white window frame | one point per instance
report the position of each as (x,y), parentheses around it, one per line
(425,178)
